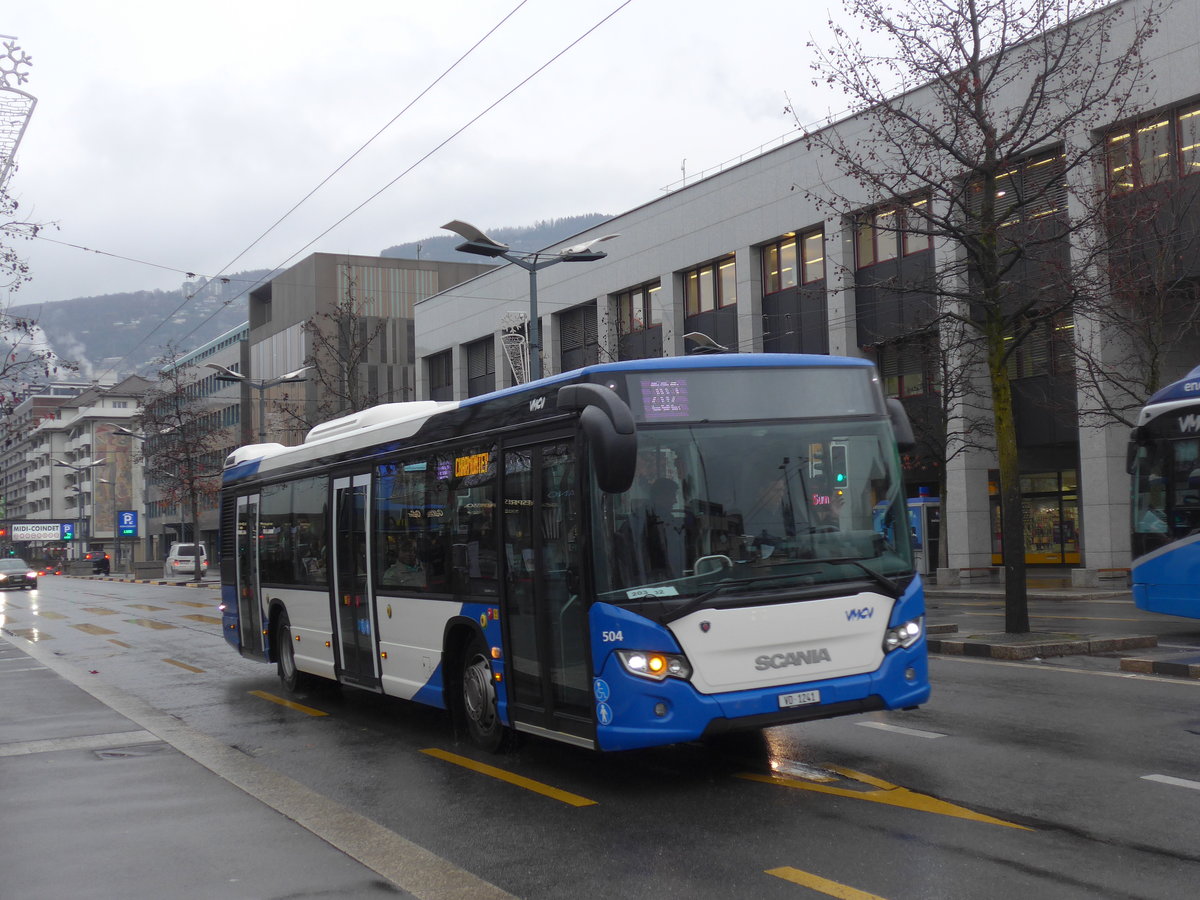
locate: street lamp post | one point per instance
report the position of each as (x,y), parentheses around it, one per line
(480,244)
(79,469)
(260,385)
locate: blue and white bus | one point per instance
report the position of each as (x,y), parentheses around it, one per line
(1164,460)
(627,555)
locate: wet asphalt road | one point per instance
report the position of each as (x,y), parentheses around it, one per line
(1063,778)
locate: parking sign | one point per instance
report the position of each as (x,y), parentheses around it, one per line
(127,523)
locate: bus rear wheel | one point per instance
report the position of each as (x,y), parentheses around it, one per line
(477,701)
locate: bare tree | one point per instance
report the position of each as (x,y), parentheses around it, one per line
(342,343)
(979,120)
(183,443)
(1151,310)
(25,355)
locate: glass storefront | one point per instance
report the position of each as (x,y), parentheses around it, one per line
(1050,517)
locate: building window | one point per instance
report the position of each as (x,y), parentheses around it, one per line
(639,309)
(1154,150)
(908,368)
(793,260)
(1028,190)
(710,287)
(891,231)
(1047,350)
(481,367)
(441,375)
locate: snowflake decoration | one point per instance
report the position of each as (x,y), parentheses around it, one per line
(12,61)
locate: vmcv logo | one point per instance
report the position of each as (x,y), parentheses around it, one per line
(865,613)
(537,404)
(1189,423)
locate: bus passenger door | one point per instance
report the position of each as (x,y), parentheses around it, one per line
(355,619)
(550,681)
(250,615)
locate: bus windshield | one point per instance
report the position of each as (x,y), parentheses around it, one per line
(1166,492)
(743,506)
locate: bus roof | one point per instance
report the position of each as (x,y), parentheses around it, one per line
(397,421)
(1186,388)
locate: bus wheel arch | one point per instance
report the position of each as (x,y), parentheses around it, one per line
(284,652)
(471,691)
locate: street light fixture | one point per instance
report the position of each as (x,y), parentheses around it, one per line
(481,245)
(78,469)
(260,385)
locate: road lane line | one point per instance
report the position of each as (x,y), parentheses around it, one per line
(886,793)
(184,665)
(519,780)
(1177,782)
(900,729)
(824,885)
(89,628)
(290,704)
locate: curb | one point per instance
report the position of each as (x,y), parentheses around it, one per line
(1039,648)
(1176,666)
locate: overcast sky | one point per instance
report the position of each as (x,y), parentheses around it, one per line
(176,134)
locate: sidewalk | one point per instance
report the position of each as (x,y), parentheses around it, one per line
(104,796)
(1137,649)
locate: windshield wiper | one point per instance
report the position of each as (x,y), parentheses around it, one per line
(888,584)
(698,601)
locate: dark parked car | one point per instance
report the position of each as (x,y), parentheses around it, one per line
(101,565)
(16,573)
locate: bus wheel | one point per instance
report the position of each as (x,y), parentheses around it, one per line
(477,696)
(293,679)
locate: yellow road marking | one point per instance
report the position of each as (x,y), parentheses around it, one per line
(47,614)
(207,620)
(824,885)
(100,611)
(299,707)
(148,607)
(120,643)
(889,794)
(519,780)
(150,623)
(29,634)
(182,665)
(88,628)
(192,603)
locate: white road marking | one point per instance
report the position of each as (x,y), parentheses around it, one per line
(900,729)
(1177,782)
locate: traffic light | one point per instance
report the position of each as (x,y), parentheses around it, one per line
(837,468)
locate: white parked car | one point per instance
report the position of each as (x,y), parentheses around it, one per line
(181,561)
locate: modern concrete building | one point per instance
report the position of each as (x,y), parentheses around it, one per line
(751,257)
(326,290)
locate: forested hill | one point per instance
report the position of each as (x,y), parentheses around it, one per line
(129,331)
(137,326)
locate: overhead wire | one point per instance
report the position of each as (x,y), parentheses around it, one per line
(414,165)
(297,205)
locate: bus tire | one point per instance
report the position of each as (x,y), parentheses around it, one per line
(293,679)
(477,700)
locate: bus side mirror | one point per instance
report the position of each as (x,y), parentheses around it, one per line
(609,429)
(901,427)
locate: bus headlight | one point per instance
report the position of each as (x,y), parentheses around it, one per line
(654,665)
(903,635)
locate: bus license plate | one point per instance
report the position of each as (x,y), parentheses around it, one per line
(800,698)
